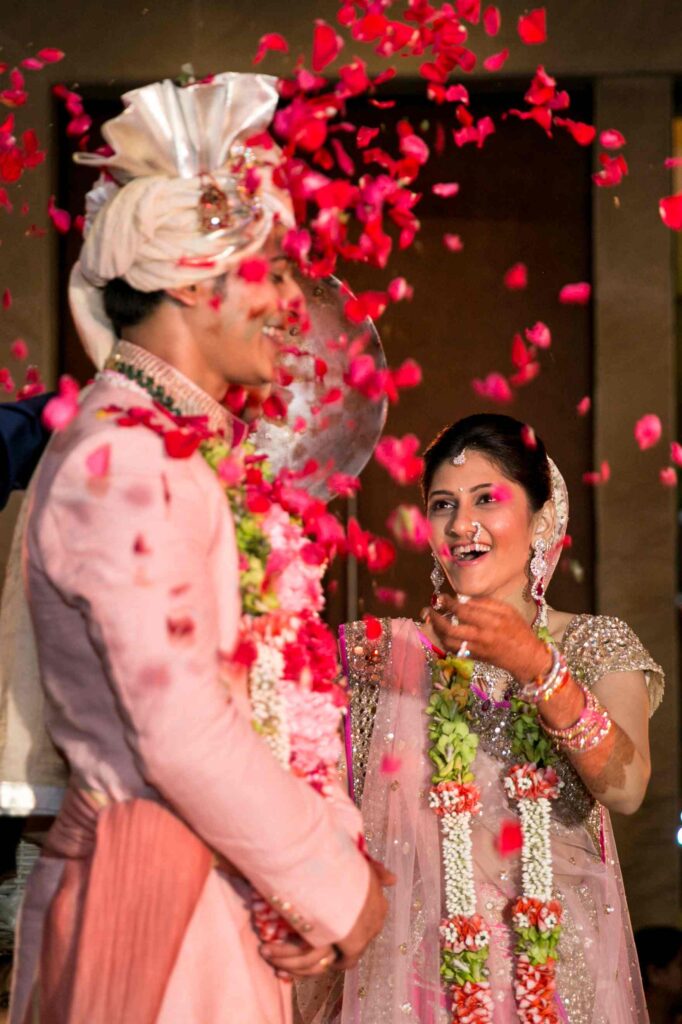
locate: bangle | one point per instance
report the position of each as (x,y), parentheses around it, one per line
(588,731)
(545,686)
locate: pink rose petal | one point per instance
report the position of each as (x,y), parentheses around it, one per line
(398,289)
(539,335)
(19,349)
(253,270)
(577,294)
(494,386)
(676,453)
(584,406)
(668,477)
(445,189)
(516,278)
(453,243)
(496,60)
(648,431)
(390,764)
(389,595)
(492,20)
(50,56)
(60,218)
(611,139)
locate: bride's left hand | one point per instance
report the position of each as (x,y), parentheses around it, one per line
(494,632)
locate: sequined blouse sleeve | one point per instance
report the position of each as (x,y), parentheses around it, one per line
(595,645)
(365,661)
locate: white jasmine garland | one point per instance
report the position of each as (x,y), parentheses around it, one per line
(536,852)
(458,864)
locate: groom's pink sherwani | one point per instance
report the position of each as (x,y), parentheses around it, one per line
(133,587)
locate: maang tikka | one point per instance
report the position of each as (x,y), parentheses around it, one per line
(459,460)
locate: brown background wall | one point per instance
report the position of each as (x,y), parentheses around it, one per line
(625,54)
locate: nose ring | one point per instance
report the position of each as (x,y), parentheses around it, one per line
(477,532)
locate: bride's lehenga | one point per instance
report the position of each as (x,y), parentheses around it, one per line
(398,978)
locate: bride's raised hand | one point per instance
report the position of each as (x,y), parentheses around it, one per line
(491,631)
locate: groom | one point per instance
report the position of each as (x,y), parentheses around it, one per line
(139,909)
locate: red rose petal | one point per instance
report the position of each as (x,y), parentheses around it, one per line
(327,45)
(577,294)
(496,60)
(492,20)
(670,209)
(509,838)
(268,42)
(532,27)
(516,278)
(668,477)
(253,270)
(648,431)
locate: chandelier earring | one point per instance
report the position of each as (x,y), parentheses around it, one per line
(437,576)
(537,573)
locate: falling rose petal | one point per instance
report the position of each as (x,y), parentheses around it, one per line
(453,243)
(409,527)
(539,335)
(577,294)
(296,244)
(327,45)
(525,375)
(648,431)
(389,763)
(520,355)
(516,278)
(445,189)
(494,386)
(398,289)
(532,27)
(668,477)
(365,136)
(268,42)
(253,270)
(61,409)
(98,462)
(18,349)
(584,406)
(509,838)
(6,299)
(398,456)
(496,60)
(389,595)
(343,484)
(60,218)
(380,554)
(528,436)
(372,627)
(413,146)
(611,139)
(79,125)
(605,471)
(408,374)
(676,453)
(6,381)
(584,134)
(50,56)
(32,64)
(367,304)
(492,20)
(672,161)
(614,169)
(670,209)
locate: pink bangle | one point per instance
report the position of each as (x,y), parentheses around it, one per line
(591,728)
(545,686)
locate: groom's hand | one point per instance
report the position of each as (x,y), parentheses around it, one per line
(370,920)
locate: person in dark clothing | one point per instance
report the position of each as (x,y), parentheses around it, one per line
(23,437)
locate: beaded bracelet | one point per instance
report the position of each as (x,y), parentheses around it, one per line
(591,728)
(545,686)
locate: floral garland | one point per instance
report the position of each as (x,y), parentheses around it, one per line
(454,796)
(298,695)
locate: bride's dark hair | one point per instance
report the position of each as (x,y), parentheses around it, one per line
(503,440)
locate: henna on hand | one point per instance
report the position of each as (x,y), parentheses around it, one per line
(605,767)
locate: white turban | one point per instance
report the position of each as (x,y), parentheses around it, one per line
(143,220)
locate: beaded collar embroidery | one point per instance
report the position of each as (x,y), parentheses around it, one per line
(168,387)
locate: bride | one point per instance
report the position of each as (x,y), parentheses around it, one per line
(489,745)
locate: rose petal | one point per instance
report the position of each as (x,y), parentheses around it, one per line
(532,27)
(539,335)
(577,294)
(445,189)
(253,270)
(668,477)
(388,595)
(648,431)
(494,386)
(670,209)
(516,278)
(372,627)
(496,60)
(60,218)
(389,763)
(327,45)
(509,838)
(492,20)
(50,55)
(270,41)
(19,349)
(676,453)
(584,405)
(453,243)
(611,139)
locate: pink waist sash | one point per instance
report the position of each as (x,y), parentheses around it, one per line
(133,876)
